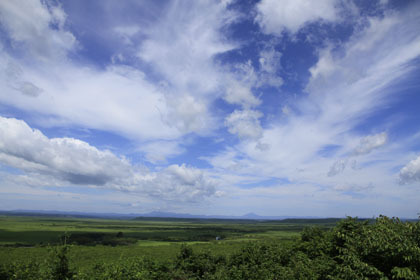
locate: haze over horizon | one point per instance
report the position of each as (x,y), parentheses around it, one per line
(279,108)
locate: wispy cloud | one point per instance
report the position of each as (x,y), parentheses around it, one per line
(347,84)
(294,104)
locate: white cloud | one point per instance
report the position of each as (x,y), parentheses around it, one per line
(28,23)
(352,188)
(348,83)
(14,78)
(383,2)
(243,79)
(240,94)
(370,143)
(285,110)
(59,161)
(245,124)
(69,159)
(179,182)
(59,92)
(269,60)
(172,93)
(346,87)
(337,167)
(366,146)
(127,32)
(160,151)
(130,105)
(29,89)
(225,161)
(368,63)
(188,114)
(182,45)
(269,64)
(274,16)
(170,100)
(411,172)
(240,81)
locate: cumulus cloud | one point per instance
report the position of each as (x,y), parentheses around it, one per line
(245,124)
(69,160)
(29,23)
(275,17)
(411,172)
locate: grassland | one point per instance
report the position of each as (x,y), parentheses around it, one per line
(23,239)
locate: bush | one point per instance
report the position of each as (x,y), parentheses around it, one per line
(385,249)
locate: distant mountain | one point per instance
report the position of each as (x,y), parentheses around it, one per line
(249,216)
(158,214)
(153,214)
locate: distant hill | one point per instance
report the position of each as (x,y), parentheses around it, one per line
(153,214)
(249,216)
(165,215)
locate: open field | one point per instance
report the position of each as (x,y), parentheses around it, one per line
(27,238)
(153,249)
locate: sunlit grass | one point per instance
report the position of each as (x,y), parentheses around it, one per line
(23,239)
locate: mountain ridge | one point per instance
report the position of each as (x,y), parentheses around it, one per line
(152,214)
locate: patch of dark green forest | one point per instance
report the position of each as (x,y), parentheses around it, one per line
(385,249)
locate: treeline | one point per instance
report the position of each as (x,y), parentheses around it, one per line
(385,249)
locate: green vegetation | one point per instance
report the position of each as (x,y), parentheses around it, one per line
(23,239)
(351,249)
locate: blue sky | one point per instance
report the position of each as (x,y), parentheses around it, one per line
(289,107)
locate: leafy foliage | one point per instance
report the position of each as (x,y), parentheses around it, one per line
(55,267)
(384,249)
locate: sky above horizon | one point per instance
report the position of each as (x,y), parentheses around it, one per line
(288,107)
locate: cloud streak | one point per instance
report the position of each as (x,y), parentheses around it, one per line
(347,84)
(265,103)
